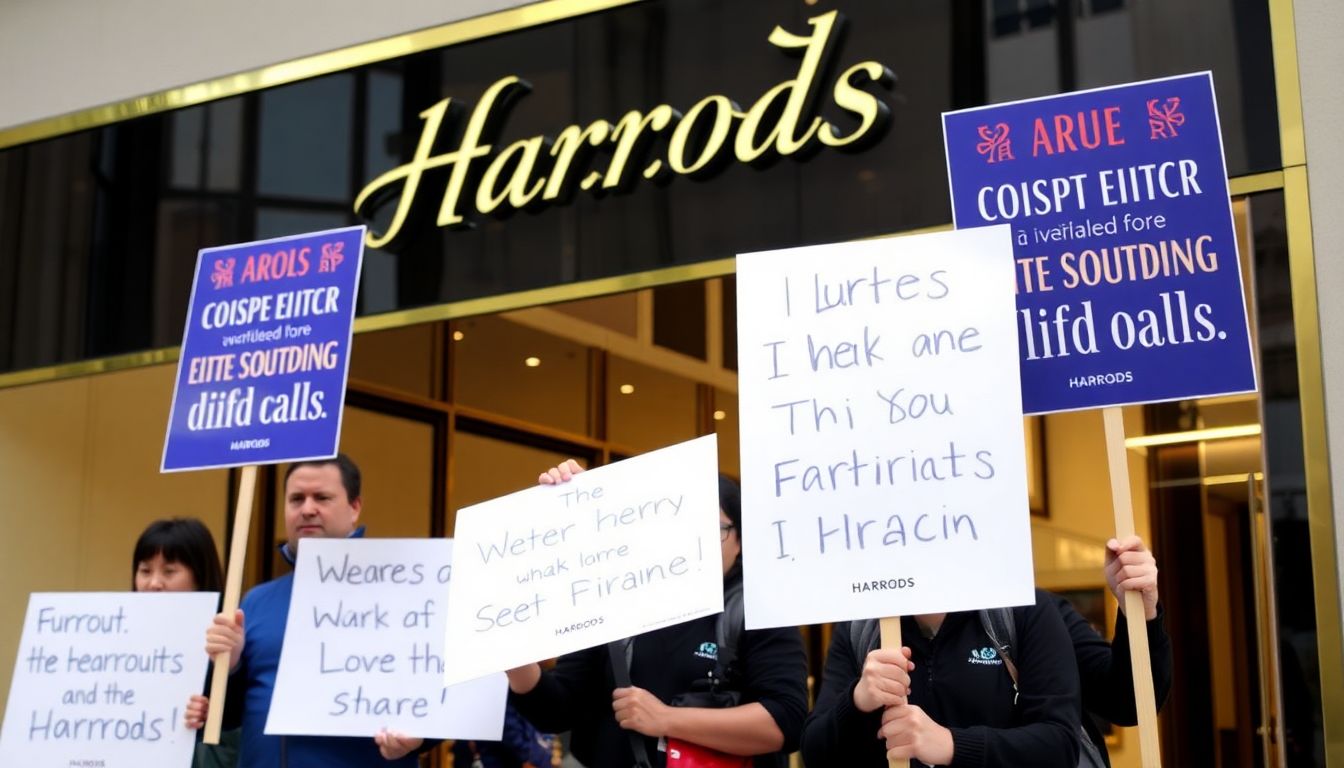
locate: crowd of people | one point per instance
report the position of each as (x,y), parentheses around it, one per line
(659,699)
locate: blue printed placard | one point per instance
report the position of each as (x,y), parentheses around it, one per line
(266,351)
(1129,287)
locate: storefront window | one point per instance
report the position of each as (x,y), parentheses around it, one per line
(288,158)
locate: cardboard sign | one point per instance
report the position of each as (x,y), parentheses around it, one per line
(265,353)
(364,646)
(103,678)
(883,468)
(617,551)
(1128,283)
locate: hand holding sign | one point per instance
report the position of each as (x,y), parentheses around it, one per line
(882,450)
(364,652)
(106,677)
(611,553)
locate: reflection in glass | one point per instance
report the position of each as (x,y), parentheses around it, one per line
(485,468)
(660,412)
(224,152)
(490,372)
(305,139)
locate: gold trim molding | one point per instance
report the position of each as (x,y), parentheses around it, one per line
(1316,461)
(1311,379)
(1256,182)
(476,28)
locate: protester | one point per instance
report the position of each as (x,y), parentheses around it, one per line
(322,500)
(963,710)
(521,746)
(176,555)
(179,555)
(1104,669)
(762,705)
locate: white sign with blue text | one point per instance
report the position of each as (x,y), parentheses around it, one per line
(103,678)
(883,462)
(616,552)
(364,646)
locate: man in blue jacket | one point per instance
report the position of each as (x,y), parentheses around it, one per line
(322,500)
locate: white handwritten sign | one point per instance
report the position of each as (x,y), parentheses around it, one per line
(364,646)
(882,450)
(616,552)
(102,678)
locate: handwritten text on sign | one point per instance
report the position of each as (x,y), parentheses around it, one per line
(1128,282)
(265,352)
(882,450)
(103,677)
(364,646)
(618,551)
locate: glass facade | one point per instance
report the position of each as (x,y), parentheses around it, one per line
(99,229)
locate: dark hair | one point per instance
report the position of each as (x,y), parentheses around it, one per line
(730,501)
(183,540)
(349,473)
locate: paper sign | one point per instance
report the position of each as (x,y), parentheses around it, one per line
(103,678)
(617,551)
(265,353)
(1128,283)
(883,467)
(364,646)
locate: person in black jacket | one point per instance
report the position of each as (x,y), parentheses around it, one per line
(580,694)
(946,698)
(1104,670)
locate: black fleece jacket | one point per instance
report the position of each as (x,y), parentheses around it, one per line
(961,685)
(1105,672)
(576,694)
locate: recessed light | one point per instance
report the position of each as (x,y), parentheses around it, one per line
(627,389)
(532,362)
(458,335)
(720,415)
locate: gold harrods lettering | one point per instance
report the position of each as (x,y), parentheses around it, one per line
(538,170)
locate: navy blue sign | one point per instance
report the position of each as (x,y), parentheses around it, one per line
(1128,282)
(264,358)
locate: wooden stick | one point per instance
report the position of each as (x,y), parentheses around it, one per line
(1150,753)
(890,628)
(233,587)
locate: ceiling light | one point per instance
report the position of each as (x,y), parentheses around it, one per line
(458,335)
(720,415)
(532,362)
(627,389)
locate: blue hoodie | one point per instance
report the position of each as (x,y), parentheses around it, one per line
(265,611)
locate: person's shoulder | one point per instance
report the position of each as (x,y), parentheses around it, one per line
(268,590)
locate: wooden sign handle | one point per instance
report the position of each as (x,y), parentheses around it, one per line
(1150,753)
(890,628)
(233,587)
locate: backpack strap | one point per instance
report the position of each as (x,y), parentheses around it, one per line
(621,652)
(1001,626)
(732,622)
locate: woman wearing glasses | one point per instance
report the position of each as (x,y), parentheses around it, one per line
(671,710)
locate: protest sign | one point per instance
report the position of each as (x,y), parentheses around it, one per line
(364,646)
(261,378)
(617,551)
(883,467)
(103,678)
(1128,283)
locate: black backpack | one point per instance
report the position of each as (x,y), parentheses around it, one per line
(1001,627)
